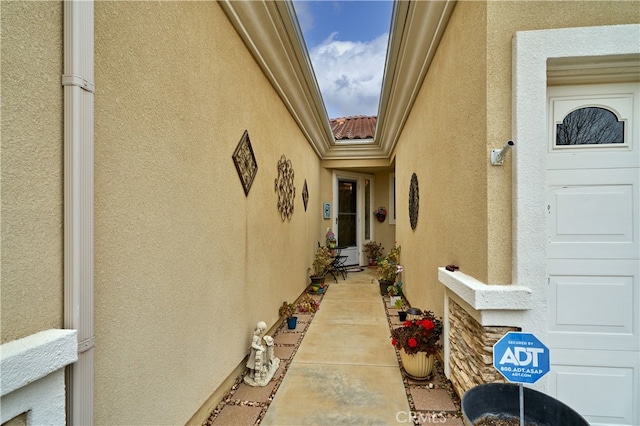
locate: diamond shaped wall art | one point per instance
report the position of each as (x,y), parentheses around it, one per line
(245,162)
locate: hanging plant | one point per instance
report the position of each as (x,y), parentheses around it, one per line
(380,213)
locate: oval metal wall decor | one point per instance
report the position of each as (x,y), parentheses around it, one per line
(285,189)
(305,195)
(414,201)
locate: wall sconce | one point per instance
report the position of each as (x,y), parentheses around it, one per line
(498,155)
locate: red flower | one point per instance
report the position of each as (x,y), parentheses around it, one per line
(419,335)
(428,324)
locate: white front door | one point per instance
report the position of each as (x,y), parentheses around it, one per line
(352,223)
(593,250)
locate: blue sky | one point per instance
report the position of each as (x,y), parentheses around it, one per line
(347,44)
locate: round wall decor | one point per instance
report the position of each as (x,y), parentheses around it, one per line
(285,188)
(414,201)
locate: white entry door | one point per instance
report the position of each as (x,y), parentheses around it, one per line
(352,195)
(593,250)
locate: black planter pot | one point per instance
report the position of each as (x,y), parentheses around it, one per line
(503,400)
(402,315)
(383,286)
(292,322)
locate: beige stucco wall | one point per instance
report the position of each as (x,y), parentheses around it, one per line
(32,186)
(185,263)
(383,232)
(504,18)
(463,110)
(443,142)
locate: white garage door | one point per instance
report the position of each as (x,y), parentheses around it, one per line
(593,251)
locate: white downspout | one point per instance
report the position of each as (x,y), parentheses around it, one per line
(78,82)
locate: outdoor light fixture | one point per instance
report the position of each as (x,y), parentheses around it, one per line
(498,155)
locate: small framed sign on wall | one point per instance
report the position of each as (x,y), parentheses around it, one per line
(326,210)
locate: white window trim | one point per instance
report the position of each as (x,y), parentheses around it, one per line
(392,199)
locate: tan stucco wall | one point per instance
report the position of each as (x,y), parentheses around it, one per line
(504,18)
(383,232)
(443,142)
(185,263)
(463,111)
(32,186)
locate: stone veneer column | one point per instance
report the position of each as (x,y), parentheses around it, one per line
(471,350)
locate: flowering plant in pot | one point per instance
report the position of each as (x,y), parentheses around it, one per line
(380,213)
(307,304)
(374,251)
(418,341)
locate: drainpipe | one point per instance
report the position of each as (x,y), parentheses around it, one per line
(79,89)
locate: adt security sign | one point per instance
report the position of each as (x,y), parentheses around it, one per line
(521,357)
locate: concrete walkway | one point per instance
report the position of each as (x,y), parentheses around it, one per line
(338,368)
(345,371)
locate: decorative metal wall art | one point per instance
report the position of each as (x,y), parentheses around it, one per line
(285,189)
(305,195)
(245,162)
(414,201)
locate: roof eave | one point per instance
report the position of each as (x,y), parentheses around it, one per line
(271,33)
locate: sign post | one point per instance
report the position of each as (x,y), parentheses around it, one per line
(521,358)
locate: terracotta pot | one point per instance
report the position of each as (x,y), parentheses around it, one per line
(417,366)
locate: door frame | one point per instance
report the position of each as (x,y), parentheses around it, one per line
(529,94)
(360,222)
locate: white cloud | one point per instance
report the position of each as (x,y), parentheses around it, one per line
(349,74)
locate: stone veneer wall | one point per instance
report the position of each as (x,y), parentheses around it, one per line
(471,350)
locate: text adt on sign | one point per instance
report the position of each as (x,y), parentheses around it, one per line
(521,357)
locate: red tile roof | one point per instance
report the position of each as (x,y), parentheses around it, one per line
(356,127)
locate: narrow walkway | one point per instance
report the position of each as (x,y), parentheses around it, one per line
(338,367)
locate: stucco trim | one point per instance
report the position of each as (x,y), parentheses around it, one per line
(31,358)
(32,377)
(481,296)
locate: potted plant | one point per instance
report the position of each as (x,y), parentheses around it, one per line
(418,341)
(308,304)
(319,268)
(374,251)
(395,291)
(402,315)
(499,403)
(288,311)
(388,269)
(380,213)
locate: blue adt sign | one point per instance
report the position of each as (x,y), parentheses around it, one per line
(521,357)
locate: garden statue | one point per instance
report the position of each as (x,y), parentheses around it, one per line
(262,363)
